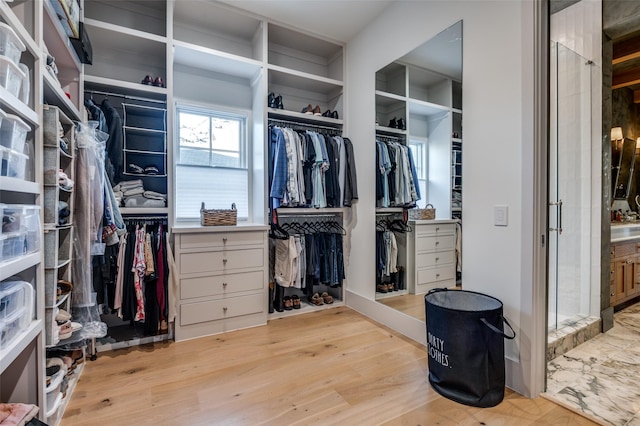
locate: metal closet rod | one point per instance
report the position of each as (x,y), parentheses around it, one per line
(120,95)
(304,126)
(125,217)
(307,215)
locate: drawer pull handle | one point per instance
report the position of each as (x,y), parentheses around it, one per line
(437,242)
(224,285)
(613,294)
(438,228)
(437,275)
(224,261)
(437,258)
(224,309)
(224,240)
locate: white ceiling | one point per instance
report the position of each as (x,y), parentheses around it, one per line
(337,20)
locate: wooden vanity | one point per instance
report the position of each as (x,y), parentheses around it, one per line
(625,262)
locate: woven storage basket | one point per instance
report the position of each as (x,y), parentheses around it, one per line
(218,217)
(428,213)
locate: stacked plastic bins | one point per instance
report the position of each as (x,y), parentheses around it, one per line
(16,310)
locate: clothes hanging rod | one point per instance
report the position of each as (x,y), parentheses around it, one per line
(306,215)
(293,124)
(125,217)
(120,95)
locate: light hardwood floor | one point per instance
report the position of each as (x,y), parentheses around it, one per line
(329,367)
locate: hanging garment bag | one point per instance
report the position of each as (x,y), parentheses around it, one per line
(465,341)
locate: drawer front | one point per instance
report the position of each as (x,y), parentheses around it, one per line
(434,259)
(436,229)
(213,310)
(624,249)
(212,261)
(221,239)
(436,274)
(223,284)
(435,243)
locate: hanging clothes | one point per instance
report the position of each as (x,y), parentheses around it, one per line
(310,169)
(396,176)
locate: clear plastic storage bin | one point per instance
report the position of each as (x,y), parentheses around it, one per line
(13,325)
(13,164)
(10,45)
(13,133)
(14,295)
(12,246)
(24,219)
(11,76)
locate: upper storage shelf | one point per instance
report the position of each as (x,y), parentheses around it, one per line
(392,79)
(297,51)
(148,16)
(120,53)
(217,27)
(427,86)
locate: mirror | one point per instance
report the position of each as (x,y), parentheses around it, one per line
(623,154)
(419,95)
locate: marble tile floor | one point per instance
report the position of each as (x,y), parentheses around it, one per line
(570,334)
(599,378)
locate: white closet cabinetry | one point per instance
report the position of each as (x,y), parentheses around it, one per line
(431,255)
(22,347)
(223,275)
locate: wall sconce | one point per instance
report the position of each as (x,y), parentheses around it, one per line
(638,143)
(616,134)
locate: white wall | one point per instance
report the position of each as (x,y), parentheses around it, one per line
(498,153)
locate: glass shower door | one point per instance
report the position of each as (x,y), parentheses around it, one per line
(569,186)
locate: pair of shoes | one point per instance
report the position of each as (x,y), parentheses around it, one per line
(316,300)
(65,329)
(397,124)
(288,303)
(326,298)
(275,101)
(330,114)
(64,288)
(309,109)
(150,81)
(295,300)
(63,315)
(382,288)
(148,170)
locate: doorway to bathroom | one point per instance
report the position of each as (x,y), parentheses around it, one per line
(572,300)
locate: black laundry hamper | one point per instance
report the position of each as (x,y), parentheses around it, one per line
(465,341)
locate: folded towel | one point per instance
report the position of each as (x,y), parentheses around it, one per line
(128,184)
(132,192)
(154,195)
(140,201)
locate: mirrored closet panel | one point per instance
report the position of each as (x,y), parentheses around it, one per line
(419,173)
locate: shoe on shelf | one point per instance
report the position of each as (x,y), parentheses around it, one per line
(158,82)
(307,110)
(295,299)
(279,104)
(288,304)
(316,299)
(65,331)
(63,315)
(326,298)
(148,80)
(327,113)
(316,111)
(271,100)
(381,288)
(393,124)
(334,114)
(401,124)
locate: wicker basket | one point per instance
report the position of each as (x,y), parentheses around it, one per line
(222,217)
(428,213)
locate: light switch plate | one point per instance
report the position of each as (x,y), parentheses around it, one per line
(500,215)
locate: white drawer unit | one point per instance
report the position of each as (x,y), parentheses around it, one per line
(431,255)
(223,279)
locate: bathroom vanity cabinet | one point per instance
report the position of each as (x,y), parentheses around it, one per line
(625,271)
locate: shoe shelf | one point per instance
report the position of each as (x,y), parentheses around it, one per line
(126,88)
(55,159)
(61,271)
(305,308)
(57,41)
(125,54)
(303,118)
(54,417)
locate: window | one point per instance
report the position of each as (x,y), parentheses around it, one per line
(212,161)
(419,153)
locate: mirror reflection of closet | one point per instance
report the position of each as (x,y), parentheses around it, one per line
(419,104)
